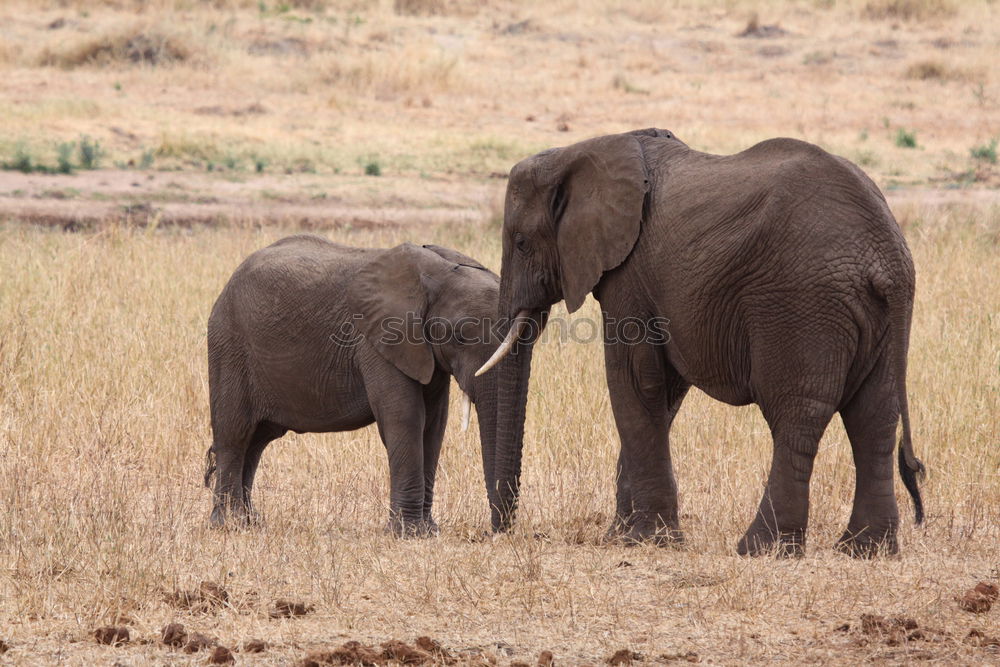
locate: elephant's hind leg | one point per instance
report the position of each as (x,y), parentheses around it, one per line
(262,437)
(870,419)
(232,429)
(229,446)
(797,424)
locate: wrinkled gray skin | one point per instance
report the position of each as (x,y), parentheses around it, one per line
(275,363)
(786,282)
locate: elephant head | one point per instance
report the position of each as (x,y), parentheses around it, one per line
(428,307)
(570,215)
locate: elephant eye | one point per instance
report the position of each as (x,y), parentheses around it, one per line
(520,242)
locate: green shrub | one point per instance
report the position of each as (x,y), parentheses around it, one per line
(906,138)
(985,153)
(90,153)
(64,157)
(373,168)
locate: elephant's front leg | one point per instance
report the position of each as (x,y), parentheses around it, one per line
(436,418)
(400,417)
(645,396)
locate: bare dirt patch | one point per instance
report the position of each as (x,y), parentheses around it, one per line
(87,200)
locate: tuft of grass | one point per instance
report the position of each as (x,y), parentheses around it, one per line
(91,153)
(419,7)
(23,161)
(412,70)
(373,168)
(64,157)
(619,82)
(908,10)
(906,138)
(131,45)
(928,70)
(985,152)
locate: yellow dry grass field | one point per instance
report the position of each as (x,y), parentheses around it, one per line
(195,132)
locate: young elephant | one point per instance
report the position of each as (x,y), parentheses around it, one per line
(312,336)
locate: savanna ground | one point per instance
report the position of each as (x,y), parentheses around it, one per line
(218,127)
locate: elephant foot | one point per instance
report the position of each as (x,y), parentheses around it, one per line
(402,528)
(761,542)
(866,544)
(233,517)
(632,534)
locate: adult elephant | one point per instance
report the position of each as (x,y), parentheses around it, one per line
(786,283)
(313,336)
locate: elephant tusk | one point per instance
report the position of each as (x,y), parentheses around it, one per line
(466,411)
(515,332)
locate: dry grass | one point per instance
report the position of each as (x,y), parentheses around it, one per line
(104,424)
(343,80)
(909,10)
(103,395)
(122,45)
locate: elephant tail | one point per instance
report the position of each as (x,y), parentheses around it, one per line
(209,467)
(911,469)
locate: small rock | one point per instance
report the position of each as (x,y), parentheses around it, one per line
(545,659)
(111,635)
(4,647)
(254,646)
(563,126)
(221,656)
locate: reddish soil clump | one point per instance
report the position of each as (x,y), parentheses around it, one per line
(221,656)
(980,599)
(623,657)
(395,650)
(895,630)
(290,609)
(979,638)
(198,642)
(545,659)
(254,646)
(111,635)
(690,656)
(431,646)
(174,635)
(4,647)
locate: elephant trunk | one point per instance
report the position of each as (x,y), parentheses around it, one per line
(512,373)
(486,414)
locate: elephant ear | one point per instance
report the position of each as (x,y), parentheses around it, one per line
(391,295)
(597,206)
